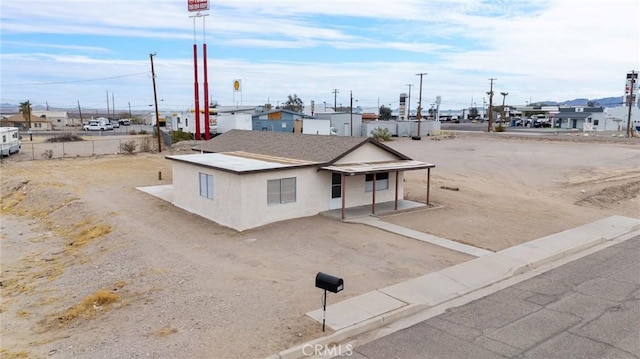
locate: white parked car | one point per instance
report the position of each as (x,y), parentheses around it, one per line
(97,126)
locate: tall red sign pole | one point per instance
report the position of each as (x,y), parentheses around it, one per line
(207,133)
(196,90)
(197,6)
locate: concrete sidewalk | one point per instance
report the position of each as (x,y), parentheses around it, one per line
(379,308)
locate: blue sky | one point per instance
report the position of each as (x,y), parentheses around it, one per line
(65,51)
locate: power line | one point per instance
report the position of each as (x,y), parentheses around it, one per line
(76,81)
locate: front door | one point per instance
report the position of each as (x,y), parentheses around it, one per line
(336,191)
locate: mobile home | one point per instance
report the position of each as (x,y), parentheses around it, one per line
(10,140)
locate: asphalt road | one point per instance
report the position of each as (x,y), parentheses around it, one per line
(588,308)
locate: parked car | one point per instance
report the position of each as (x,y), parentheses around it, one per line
(115,124)
(97,126)
(125,121)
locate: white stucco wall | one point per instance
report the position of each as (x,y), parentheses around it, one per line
(240,201)
(357,196)
(367,153)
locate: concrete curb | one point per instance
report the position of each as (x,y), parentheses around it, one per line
(467,278)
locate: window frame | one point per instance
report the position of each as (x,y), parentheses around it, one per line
(382,181)
(282,191)
(206,187)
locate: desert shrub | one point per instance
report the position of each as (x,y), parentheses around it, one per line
(177,136)
(143,132)
(128,147)
(381,133)
(47,154)
(133,132)
(65,138)
(500,128)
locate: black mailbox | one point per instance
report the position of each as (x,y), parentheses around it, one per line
(329,282)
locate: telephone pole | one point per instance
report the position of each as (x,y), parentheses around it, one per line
(419,115)
(335,99)
(409,104)
(490,93)
(634,75)
(155,99)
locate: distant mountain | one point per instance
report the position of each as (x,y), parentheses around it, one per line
(598,102)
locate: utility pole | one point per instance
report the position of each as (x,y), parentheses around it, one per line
(409,104)
(108,103)
(155,100)
(80,111)
(335,99)
(419,115)
(634,75)
(504,96)
(351,112)
(490,93)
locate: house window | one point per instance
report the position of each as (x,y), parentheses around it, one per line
(382,182)
(206,185)
(595,122)
(336,185)
(281,191)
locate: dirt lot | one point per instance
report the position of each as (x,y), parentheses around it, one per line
(93,268)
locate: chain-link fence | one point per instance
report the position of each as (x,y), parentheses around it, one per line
(86,148)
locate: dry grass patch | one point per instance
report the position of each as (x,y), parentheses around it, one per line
(166,331)
(83,232)
(92,305)
(9,204)
(6,354)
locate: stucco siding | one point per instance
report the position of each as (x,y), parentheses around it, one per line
(226,197)
(367,153)
(312,193)
(357,195)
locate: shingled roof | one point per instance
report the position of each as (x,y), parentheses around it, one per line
(315,148)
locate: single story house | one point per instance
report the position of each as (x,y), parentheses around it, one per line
(244,179)
(58,119)
(277,120)
(38,123)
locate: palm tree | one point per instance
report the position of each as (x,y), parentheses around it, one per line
(294,103)
(25,108)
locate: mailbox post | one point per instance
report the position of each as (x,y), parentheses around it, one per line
(328,283)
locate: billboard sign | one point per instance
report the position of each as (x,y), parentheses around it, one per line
(198,5)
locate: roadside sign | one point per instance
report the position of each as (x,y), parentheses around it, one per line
(198,5)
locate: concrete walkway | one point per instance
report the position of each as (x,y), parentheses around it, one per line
(384,306)
(421,236)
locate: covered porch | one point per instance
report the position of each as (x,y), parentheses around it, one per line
(391,167)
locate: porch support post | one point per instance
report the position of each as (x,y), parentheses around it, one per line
(396,205)
(342,188)
(428,183)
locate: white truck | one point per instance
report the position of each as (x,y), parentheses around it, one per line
(10,141)
(99,124)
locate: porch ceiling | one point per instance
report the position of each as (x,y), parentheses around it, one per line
(375,167)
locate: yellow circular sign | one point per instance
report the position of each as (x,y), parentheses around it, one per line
(236,85)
